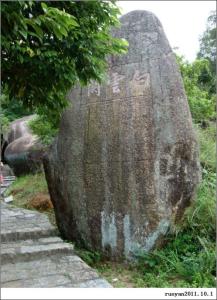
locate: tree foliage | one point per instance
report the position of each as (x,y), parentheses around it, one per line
(48,47)
(11,110)
(208,40)
(208,47)
(197,78)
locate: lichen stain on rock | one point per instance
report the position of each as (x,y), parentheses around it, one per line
(150,241)
(131,246)
(108,232)
(127,235)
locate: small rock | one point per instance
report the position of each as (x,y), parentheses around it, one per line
(8,199)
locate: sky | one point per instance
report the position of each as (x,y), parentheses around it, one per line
(183,21)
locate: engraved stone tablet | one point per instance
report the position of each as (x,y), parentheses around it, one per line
(125,163)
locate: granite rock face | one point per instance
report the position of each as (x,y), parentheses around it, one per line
(125,163)
(24,151)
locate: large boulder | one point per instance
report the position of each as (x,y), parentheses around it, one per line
(23,152)
(125,164)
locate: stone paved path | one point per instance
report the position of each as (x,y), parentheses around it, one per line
(32,255)
(8,180)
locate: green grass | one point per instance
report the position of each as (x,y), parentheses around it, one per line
(25,188)
(207,139)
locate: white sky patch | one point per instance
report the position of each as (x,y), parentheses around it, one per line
(183,21)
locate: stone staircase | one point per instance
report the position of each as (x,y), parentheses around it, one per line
(8,180)
(32,254)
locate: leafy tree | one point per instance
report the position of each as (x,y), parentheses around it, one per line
(208,40)
(195,77)
(43,128)
(48,47)
(208,48)
(13,109)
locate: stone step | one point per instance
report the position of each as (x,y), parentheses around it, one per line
(2,190)
(6,179)
(5,185)
(10,177)
(6,182)
(27,250)
(33,256)
(49,272)
(24,234)
(21,224)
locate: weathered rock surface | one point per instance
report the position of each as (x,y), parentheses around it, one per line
(32,256)
(125,163)
(24,151)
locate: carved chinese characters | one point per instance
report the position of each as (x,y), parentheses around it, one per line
(125,163)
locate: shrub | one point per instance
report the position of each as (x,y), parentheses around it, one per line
(44,129)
